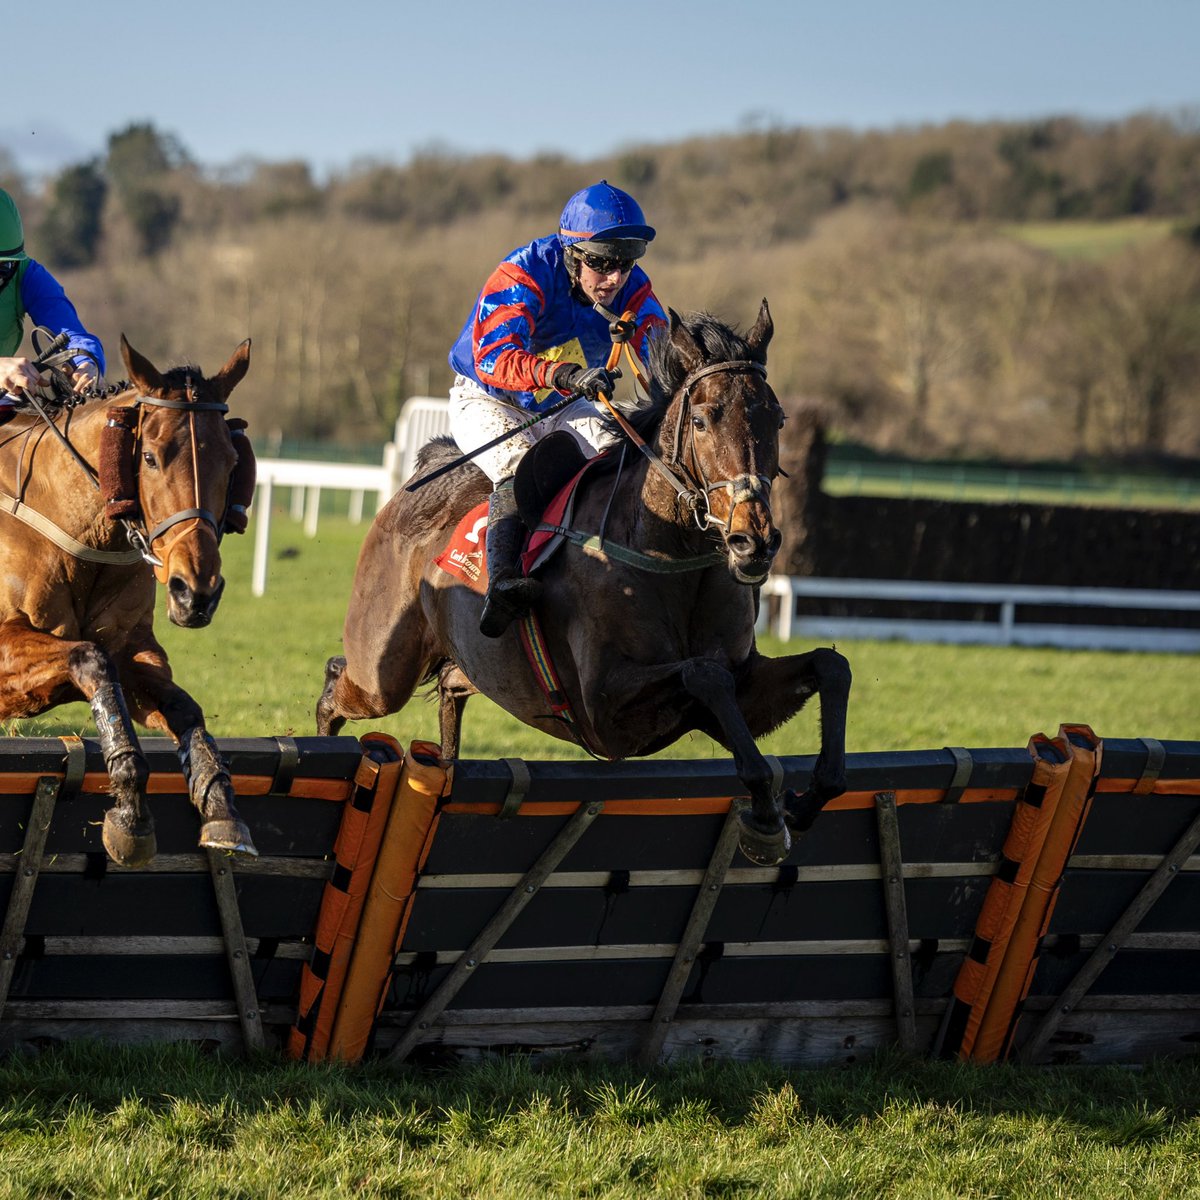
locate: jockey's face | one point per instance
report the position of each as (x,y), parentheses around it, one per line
(602,287)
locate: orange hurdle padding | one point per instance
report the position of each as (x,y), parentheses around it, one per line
(406,842)
(1002,904)
(998,1029)
(359,835)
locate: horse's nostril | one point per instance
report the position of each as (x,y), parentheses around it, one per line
(178,588)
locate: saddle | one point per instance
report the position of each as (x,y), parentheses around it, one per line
(544,470)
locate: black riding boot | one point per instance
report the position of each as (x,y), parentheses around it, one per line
(510,595)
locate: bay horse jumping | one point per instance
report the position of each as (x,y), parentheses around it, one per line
(96,502)
(650,624)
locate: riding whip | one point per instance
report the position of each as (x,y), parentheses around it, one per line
(557,406)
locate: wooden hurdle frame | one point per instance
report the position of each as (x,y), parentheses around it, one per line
(602,910)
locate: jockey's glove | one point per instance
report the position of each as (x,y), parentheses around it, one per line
(585,381)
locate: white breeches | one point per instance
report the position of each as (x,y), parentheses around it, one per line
(476,418)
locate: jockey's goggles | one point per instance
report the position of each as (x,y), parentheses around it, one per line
(8,268)
(604,264)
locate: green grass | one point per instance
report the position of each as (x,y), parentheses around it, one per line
(940,484)
(86,1121)
(1092,240)
(92,1121)
(258,670)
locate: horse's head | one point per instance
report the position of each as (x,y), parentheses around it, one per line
(720,434)
(183,458)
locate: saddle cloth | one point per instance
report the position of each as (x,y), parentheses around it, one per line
(465,554)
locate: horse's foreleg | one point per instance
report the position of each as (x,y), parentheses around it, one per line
(40,671)
(632,708)
(772,690)
(764,836)
(128,831)
(161,704)
(342,699)
(454,690)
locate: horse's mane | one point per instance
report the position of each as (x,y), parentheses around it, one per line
(718,341)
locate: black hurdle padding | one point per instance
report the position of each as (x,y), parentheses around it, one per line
(294,825)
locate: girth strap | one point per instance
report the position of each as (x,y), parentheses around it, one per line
(591,543)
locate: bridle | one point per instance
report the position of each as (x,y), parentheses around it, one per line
(692,487)
(140,536)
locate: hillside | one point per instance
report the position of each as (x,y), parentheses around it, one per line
(1024,290)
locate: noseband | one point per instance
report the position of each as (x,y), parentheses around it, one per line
(694,492)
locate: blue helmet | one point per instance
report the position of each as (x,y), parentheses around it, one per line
(602,213)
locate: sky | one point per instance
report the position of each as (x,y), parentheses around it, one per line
(342,80)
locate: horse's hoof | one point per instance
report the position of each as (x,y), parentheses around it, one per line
(227,835)
(129,844)
(765,848)
(801,811)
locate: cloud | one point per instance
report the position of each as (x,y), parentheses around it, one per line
(41,146)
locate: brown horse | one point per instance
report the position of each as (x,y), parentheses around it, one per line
(650,624)
(89,496)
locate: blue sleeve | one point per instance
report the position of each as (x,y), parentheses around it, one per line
(47,304)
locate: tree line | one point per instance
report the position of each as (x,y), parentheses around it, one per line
(909,307)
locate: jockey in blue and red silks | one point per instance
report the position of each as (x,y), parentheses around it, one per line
(26,287)
(535,334)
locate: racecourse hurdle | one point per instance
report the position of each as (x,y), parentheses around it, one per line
(1039,903)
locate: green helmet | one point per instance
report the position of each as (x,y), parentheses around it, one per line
(12,232)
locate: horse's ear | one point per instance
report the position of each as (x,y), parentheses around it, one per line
(687,349)
(142,372)
(232,373)
(760,336)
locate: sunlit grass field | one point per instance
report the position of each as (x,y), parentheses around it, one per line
(1090,240)
(258,670)
(174,1123)
(91,1121)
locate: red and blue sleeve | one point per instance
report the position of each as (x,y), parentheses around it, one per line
(505,320)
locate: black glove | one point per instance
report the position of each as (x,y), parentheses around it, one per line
(622,331)
(585,381)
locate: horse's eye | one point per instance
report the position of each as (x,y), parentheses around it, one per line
(149,459)
(699,422)
(782,418)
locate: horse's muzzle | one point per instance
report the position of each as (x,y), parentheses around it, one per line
(190,608)
(750,557)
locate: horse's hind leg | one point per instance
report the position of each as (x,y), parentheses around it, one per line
(454,690)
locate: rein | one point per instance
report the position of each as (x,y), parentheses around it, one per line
(140,537)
